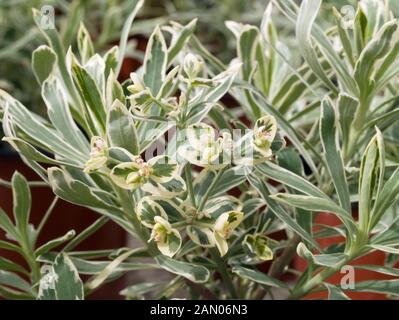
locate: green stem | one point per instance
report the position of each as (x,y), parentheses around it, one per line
(86,233)
(202,224)
(128,207)
(314,282)
(222,268)
(179,224)
(350,146)
(47,215)
(98,279)
(189,182)
(319,278)
(5,183)
(29,255)
(210,189)
(279,265)
(8,184)
(358,123)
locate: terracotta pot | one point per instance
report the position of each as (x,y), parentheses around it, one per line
(65,217)
(374,258)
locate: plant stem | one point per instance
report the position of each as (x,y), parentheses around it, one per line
(47,215)
(5,183)
(189,182)
(179,224)
(8,184)
(278,266)
(314,282)
(86,233)
(222,268)
(202,290)
(29,255)
(356,128)
(128,207)
(127,204)
(98,279)
(210,189)
(319,278)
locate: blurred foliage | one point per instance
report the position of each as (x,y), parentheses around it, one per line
(103,18)
(19,35)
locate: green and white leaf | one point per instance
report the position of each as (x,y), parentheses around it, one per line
(332,153)
(43,62)
(61,282)
(258,277)
(155,62)
(192,272)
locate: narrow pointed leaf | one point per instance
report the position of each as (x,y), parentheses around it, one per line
(192,272)
(155,61)
(279,211)
(258,277)
(332,152)
(22,202)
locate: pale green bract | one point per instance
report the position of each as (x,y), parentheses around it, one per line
(168,240)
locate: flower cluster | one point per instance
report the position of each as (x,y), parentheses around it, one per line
(210,228)
(203,147)
(167,210)
(183,95)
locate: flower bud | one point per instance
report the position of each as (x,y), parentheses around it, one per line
(168,240)
(192,65)
(98,155)
(224,226)
(264,134)
(258,246)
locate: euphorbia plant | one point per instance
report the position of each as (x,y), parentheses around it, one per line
(203,187)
